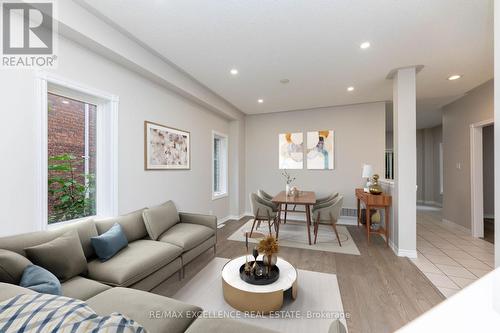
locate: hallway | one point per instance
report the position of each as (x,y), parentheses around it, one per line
(447,254)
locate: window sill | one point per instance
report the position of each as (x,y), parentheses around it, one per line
(219,195)
(57,225)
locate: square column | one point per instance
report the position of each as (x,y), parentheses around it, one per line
(405,162)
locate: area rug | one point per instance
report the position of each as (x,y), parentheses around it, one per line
(317,305)
(294,234)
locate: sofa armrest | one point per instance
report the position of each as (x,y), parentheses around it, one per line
(201,219)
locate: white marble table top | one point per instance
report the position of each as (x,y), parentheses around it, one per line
(231,274)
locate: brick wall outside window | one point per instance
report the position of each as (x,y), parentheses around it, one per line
(66,133)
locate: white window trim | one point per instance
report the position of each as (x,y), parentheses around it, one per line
(225,172)
(107,143)
(441,169)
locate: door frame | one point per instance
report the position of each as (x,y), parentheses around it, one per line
(476,174)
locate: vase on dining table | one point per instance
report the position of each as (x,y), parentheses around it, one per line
(287,190)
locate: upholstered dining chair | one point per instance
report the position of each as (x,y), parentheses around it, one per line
(328,213)
(263,210)
(325,199)
(267,197)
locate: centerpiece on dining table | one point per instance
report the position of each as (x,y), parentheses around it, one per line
(290,191)
(265,271)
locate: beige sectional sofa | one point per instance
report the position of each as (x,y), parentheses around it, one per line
(120,284)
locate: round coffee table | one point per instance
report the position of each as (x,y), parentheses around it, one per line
(244,296)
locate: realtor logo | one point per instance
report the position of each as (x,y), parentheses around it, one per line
(28,34)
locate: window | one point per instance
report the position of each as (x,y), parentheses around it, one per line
(71,151)
(77,133)
(219,165)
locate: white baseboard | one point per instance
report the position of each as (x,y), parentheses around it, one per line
(433,203)
(456,225)
(231,217)
(412,254)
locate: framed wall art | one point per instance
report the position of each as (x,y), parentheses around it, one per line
(166,148)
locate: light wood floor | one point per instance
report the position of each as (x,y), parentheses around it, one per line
(380,291)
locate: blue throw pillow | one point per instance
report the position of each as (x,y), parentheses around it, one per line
(110,242)
(40,280)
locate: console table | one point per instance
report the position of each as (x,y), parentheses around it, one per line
(374,201)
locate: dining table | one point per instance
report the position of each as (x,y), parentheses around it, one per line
(304,198)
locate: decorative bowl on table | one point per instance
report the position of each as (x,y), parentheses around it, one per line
(264,278)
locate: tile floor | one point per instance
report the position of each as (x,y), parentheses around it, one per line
(448,255)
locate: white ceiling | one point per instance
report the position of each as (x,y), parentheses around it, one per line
(315,44)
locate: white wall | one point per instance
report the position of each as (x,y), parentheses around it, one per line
(359,138)
(140,100)
(474,107)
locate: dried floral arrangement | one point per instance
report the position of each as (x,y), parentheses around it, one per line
(289,179)
(268,246)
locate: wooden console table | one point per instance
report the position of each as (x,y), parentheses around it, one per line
(372,201)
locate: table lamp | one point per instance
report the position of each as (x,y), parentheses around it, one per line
(367,173)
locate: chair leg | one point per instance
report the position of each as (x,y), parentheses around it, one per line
(278,229)
(258,224)
(253,225)
(269,225)
(334,226)
(316,227)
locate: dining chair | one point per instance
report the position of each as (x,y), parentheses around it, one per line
(326,199)
(267,197)
(263,210)
(328,213)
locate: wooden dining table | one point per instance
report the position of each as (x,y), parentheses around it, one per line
(305,198)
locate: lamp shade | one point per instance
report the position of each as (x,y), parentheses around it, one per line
(367,171)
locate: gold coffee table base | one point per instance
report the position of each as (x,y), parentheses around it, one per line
(262,299)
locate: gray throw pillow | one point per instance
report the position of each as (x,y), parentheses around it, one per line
(62,256)
(12,266)
(160,218)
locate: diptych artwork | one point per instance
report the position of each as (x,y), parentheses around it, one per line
(291,151)
(320,154)
(165,148)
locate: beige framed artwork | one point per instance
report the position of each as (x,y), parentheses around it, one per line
(166,148)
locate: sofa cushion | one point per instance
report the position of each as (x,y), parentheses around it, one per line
(132,224)
(109,243)
(147,309)
(82,288)
(39,279)
(12,266)
(186,235)
(160,218)
(138,260)
(224,325)
(62,256)
(8,290)
(18,243)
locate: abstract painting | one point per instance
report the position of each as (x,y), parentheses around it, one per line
(291,151)
(165,148)
(320,154)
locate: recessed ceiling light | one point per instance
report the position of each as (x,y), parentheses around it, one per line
(365,45)
(65,101)
(234,71)
(350,88)
(260,100)
(454,77)
(284,81)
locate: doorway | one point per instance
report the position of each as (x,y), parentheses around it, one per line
(489,183)
(482,184)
